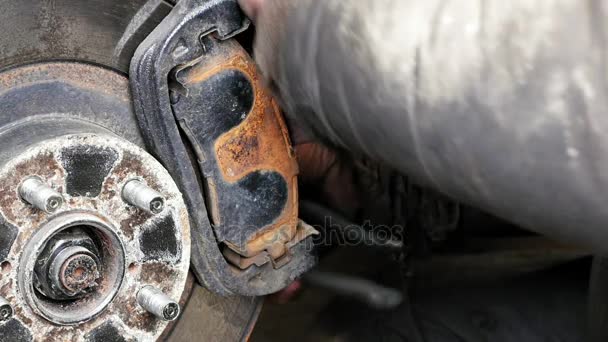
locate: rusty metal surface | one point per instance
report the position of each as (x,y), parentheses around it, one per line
(46,160)
(173,42)
(103,32)
(259,142)
(207,317)
(79,273)
(179,122)
(70,90)
(303,231)
(99,99)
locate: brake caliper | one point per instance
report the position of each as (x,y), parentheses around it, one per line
(206,115)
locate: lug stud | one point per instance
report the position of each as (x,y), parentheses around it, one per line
(37,193)
(157,303)
(6,310)
(138,194)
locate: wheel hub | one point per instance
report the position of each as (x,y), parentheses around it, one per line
(69,265)
(44,31)
(89,218)
(55,254)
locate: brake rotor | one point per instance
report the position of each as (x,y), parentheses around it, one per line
(58,117)
(106,35)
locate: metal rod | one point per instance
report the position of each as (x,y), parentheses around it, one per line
(6,310)
(37,193)
(366,291)
(157,303)
(317,214)
(138,194)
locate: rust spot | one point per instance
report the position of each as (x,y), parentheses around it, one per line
(128,165)
(18,310)
(109,190)
(59,334)
(159,273)
(5,290)
(244,147)
(88,77)
(136,219)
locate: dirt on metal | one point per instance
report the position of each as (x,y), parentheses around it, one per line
(45,161)
(260,142)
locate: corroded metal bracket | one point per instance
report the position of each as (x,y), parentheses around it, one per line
(207,117)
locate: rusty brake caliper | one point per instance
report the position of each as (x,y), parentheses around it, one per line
(206,115)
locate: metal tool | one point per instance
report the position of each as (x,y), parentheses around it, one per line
(375,295)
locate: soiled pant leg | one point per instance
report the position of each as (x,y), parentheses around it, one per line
(499,104)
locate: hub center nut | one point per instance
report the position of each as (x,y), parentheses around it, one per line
(74,270)
(69,267)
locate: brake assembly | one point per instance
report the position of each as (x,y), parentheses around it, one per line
(206,115)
